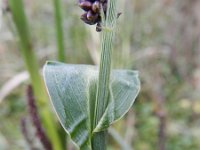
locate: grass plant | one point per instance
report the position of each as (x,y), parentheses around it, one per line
(26,49)
(88,99)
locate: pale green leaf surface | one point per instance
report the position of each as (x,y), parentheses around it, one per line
(125,87)
(72,89)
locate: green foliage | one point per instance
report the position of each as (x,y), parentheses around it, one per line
(88,101)
(26,49)
(73,89)
(59,30)
(150,33)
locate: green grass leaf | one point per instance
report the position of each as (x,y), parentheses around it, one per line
(72,89)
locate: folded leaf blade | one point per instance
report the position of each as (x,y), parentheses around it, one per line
(73,88)
(124,88)
(67,87)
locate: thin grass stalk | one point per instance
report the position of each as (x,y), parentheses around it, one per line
(59,30)
(99,139)
(26,49)
(60,40)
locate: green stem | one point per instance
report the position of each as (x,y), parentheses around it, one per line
(20,21)
(99,139)
(60,43)
(59,30)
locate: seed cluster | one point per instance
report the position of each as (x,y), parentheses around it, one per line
(92,13)
(32,108)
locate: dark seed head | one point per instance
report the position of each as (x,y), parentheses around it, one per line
(103,1)
(92,13)
(98,27)
(96,6)
(85,5)
(92,16)
(84,19)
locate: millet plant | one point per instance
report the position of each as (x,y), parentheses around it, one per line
(88,99)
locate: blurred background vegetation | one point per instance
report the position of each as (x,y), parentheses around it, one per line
(160,38)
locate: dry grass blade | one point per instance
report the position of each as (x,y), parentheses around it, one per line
(13,83)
